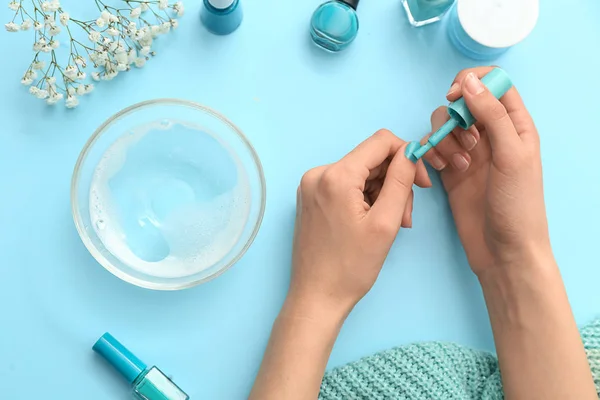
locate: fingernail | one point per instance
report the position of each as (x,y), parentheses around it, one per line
(455,86)
(438,162)
(460,162)
(469,140)
(473,85)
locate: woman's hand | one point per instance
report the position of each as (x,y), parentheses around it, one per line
(348,215)
(493,175)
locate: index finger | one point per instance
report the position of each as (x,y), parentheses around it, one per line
(372,152)
(512,101)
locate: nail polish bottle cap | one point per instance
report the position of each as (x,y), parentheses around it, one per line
(221,4)
(119,357)
(497,81)
(351,3)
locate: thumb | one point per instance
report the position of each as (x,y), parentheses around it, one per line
(397,186)
(490,112)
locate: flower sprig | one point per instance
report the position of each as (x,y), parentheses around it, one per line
(119,38)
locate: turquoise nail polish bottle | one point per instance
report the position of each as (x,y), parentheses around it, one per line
(334,25)
(148,383)
(424,12)
(221,17)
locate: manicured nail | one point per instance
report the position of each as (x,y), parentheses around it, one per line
(460,162)
(469,140)
(473,85)
(455,86)
(438,162)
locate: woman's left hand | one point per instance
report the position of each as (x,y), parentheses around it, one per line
(348,215)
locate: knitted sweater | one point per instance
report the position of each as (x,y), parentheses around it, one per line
(433,371)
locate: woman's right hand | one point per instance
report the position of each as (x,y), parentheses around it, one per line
(493,176)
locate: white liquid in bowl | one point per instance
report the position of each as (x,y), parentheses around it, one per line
(169,199)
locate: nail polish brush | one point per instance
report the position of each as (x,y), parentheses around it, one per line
(498,83)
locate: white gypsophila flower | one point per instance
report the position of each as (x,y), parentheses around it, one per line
(113,31)
(96,76)
(71,91)
(179,8)
(121,57)
(80,76)
(41,94)
(37,65)
(144,51)
(26,25)
(46,49)
(80,90)
(64,18)
(54,44)
(39,45)
(70,72)
(140,62)
(49,20)
(122,67)
(72,102)
(155,29)
(174,23)
(89,88)
(54,98)
(51,81)
(54,30)
(37,26)
(94,36)
(100,23)
(131,56)
(135,13)
(26,81)
(144,6)
(12,27)
(165,27)
(120,48)
(34,90)
(79,60)
(163,4)
(14,5)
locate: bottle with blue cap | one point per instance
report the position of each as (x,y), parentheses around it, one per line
(148,383)
(498,83)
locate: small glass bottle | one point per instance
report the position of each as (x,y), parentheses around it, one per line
(148,383)
(334,24)
(221,17)
(424,12)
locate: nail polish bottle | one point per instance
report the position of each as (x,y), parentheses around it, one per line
(221,17)
(424,12)
(148,383)
(334,24)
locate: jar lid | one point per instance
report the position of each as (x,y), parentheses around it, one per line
(498,23)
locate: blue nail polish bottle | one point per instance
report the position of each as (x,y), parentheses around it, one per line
(221,17)
(424,12)
(334,25)
(148,383)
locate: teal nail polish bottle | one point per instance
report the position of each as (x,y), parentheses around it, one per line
(498,83)
(148,383)
(334,24)
(221,17)
(424,12)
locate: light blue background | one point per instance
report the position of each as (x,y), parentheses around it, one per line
(300,107)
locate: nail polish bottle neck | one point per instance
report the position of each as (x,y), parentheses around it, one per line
(351,3)
(221,4)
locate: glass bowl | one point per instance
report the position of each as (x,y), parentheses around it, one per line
(168,194)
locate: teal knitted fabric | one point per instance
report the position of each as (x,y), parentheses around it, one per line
(433,371)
